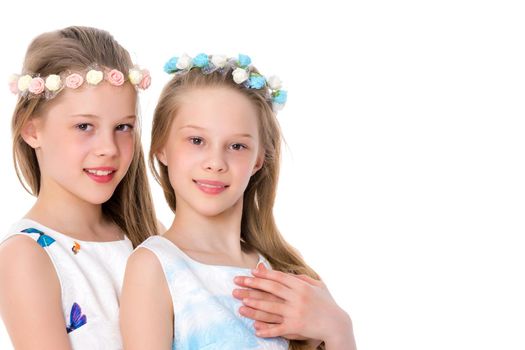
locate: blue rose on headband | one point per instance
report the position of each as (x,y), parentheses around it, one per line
(280,97)
(201,60)
(256,81)
(244,61)
(171,65)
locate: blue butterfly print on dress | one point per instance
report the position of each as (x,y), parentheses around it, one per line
(76,319)
(44,240)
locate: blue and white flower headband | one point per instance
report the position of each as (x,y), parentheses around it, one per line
(242,73)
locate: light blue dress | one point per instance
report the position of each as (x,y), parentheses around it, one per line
(206,313)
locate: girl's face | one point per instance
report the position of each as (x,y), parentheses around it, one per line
(84,141)
(212,150)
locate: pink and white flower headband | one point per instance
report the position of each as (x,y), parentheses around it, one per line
(48,87)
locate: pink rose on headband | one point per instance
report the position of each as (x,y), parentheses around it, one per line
(13,87)
(13,84)
(37,85)
(146,80)
(115,77)
(74,80)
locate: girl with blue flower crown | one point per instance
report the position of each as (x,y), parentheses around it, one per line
(76,147)
(222,276)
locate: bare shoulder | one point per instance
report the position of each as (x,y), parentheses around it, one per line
(22,255)
(143,262)
(144,276)
(146,311)
(30,295)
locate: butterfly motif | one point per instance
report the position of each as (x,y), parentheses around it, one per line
(44,240)
(76,247)
(76,319)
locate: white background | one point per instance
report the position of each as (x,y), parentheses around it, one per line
(403,178)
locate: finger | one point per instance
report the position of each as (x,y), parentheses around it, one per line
(309,280)
(262,326)
(271,331)
(259,325)
(261,266)
(285,279)
(267,306)
(265,285)
(255,294)
(258,315)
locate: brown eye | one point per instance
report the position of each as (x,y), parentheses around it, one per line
(125,127)
(84,127)
(197,141)
(238,146)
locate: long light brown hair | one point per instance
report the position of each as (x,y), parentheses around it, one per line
(258,228)
(75,48)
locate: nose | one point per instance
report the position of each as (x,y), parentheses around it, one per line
(215,161)
(106,145)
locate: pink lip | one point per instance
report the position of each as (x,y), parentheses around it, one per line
(204,186)
(101,178)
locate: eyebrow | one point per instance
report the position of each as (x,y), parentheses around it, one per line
(203,129)
(93,116)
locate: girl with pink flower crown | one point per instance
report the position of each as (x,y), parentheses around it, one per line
(76,148)
(216,151)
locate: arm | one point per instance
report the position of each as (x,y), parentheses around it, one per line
(30,296)
(146,311)
(295,307)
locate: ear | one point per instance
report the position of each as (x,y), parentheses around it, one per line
(161,156)
(30,134)
(259,163)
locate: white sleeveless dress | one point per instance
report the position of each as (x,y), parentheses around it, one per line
(91,276)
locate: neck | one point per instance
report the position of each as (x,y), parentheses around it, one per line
(220,234)
(63,211)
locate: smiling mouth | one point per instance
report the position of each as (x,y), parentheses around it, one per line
(99,172)
(210,184)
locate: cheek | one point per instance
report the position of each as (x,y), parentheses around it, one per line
(180,154)
(244,165)
(126,145)
(64,145)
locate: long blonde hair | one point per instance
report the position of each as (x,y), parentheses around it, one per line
(130,206)
(258,228)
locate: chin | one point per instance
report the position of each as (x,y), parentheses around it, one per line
(214,211)
(98,199)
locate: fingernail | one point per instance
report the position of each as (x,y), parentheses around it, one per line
(247,280)
(237,279)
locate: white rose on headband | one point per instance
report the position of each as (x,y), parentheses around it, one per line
(274,83)
(94,77)
(53,82)
(219,61)
(135,76)
(24,82)
(239,75)
(184,62)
